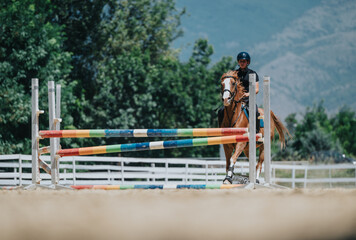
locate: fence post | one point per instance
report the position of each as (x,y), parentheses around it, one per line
(166,178)
(57,122)
(35,137)
(15,177)
(52,126)
(252,129)
(206,172)
(122,171)
(153,166)
(293,177)
(58,111)
(267,129)
(186,173)
(305,176)
(74,171)
(20,170)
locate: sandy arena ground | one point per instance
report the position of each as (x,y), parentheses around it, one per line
(178,214)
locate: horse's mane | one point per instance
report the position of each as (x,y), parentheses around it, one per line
(233,74)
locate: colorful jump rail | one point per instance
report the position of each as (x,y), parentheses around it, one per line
(164,186)
(156,145)
(193,132)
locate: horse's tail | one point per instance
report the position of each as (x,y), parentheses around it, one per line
(281,129)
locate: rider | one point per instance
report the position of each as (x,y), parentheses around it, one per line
(243,60)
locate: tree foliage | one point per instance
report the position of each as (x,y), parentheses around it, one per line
(317,132)
(30,47)
(344,129)
(117,69)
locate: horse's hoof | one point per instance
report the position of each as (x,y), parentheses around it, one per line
(227,180)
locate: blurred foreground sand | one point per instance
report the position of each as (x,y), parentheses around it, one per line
(178,214)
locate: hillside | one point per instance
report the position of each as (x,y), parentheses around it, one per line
(307,47)
(313,59)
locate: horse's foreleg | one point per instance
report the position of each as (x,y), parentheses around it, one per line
(228,152)
(230,171)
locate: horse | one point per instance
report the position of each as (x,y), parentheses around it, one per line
(232,96)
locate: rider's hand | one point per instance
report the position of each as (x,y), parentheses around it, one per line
(246,94)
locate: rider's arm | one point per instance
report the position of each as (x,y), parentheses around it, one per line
(257,90)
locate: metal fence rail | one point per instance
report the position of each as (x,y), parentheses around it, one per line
(15,170)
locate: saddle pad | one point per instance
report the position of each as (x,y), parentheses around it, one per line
(261,119)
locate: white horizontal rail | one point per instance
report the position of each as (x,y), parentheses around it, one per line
(121,170)
(314,167)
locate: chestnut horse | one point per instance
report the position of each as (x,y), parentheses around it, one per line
(232,91)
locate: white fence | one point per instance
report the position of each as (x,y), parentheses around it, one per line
(15,170)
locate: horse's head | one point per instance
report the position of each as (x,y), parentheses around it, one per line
(230,87)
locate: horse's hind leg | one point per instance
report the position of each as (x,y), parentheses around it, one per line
(247,152)
(261,158)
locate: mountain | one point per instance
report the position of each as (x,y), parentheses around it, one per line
(313,59)
(307,47)
(235,25)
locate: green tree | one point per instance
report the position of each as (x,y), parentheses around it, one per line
(84,39)
(344,129)
(116,67)
(29,47)
(291,122)
(316,132)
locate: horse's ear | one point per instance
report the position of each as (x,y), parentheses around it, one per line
(222,76)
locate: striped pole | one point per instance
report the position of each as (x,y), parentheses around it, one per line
(193,132)
(156,145)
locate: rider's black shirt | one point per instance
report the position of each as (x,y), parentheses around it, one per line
(244,77)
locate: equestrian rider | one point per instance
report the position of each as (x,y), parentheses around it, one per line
(243,60)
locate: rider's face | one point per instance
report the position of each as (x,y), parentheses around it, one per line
(242,63)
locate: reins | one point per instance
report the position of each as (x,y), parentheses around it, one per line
(233,113)
(231,98)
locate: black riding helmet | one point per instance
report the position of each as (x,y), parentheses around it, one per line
(244,55)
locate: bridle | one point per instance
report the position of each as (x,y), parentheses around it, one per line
(232,94)
(232,98)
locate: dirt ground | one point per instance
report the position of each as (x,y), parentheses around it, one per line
(178,214)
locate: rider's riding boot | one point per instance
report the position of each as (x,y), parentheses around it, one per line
(221,116)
